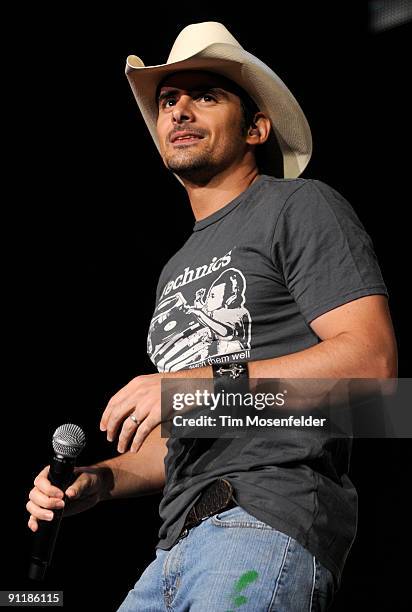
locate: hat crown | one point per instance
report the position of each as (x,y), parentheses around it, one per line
(197,36)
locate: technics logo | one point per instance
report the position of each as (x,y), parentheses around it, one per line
(190,275)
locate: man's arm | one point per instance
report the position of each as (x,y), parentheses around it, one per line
(358,341)
(129,475)
(136,474)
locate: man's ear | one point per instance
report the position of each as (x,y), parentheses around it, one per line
(259,129)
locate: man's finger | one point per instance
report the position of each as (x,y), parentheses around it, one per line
(141,434)
(112,404)
(128,429)
(45,486)
(79,486)
(106,414)
(38,512)
(32,523)
(44,501)
(119,398)
(117,417)
(82,503)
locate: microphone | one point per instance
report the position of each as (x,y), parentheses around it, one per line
(68,442)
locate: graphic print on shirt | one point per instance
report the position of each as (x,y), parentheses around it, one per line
(189,330)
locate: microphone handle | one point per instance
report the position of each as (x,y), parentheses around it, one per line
(60,475)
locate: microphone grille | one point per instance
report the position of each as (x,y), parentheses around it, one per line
(69,440)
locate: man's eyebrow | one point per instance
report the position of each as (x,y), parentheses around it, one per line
(172,92)
(165,94)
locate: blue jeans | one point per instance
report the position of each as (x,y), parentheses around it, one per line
(232,561)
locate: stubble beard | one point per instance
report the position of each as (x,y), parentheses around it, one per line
(197,167)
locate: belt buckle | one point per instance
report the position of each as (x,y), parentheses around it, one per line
(183,534)
(206,506)
(214,498)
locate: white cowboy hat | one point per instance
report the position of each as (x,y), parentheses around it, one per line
(210,46)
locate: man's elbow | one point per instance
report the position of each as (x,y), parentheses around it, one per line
(387,365)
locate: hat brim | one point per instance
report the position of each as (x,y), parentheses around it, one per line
(290,142)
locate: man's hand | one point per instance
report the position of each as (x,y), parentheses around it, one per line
(85,492)
(140,397)
(125,476)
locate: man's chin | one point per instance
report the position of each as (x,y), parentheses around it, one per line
(193,172)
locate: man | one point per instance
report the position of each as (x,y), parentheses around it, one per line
(293,291)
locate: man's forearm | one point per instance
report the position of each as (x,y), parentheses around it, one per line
(343,356)
(136,474)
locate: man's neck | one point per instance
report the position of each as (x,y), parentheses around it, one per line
(219,191)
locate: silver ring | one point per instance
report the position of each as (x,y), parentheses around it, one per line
(135,420)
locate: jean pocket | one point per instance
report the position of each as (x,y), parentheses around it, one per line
(238,517)
(323,588)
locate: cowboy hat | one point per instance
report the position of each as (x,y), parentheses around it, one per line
(209,46)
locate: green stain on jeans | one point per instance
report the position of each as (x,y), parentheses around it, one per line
(243,582)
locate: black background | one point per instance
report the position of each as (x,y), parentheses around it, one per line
(92,216)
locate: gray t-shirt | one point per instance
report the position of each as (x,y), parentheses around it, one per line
(257,272)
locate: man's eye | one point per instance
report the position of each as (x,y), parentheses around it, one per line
(202,95)
(206,95)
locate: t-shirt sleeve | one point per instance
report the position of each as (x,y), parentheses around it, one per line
(323,251)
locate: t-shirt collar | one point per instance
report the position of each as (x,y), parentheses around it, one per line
(227,208)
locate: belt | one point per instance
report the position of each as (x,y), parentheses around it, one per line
(214,498)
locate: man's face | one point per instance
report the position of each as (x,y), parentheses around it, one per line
(201,102)
(215,297)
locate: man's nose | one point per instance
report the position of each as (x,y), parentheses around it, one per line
(182,110)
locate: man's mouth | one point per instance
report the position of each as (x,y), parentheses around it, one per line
(186,137)
(187,140)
